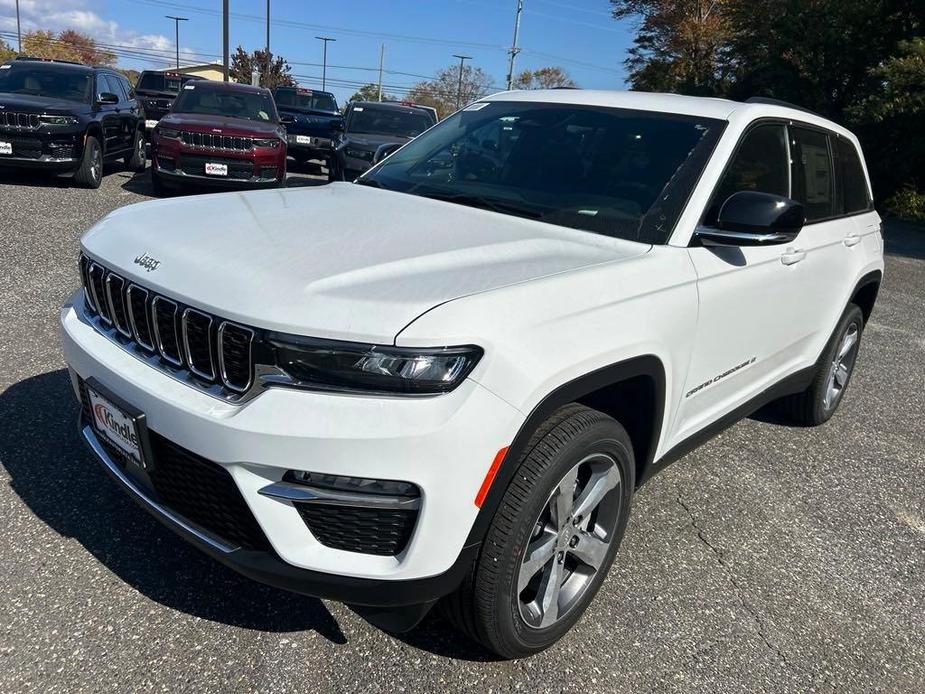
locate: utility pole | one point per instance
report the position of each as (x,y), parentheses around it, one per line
(381,62)
(267,77)
(324,61)
(515,49)
(18,27)
(462,59)
(176,27)
(225,39)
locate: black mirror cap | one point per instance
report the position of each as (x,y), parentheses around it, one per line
(749,211)
(107,98)
(385,150)
(337,124)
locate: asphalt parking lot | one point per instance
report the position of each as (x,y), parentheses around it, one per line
(774,559)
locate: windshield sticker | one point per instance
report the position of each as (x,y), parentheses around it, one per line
(358,109)
(476,107)
(5,67)
(189,86)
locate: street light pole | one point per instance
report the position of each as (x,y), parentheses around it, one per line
(18,27)
(462,60)
(324,61)
(176,26)
(267,77)
(225,40)
(514,47)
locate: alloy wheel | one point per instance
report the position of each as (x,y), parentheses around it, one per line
(570,541)
(842,364)
(96,166)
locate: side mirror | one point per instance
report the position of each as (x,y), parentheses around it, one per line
(750,218)
(384,151)
(286,119)
(337,125)
(107,98)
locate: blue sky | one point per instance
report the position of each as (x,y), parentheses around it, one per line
(420,36)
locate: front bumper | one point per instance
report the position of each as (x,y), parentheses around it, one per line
(59,150)
(444,445)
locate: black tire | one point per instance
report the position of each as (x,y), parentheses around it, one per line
(138,159)
(90,172)
(488,605)
(812,407)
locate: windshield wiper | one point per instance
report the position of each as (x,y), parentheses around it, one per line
(483,203)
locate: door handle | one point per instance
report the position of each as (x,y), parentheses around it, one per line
(792,256)
(852,240)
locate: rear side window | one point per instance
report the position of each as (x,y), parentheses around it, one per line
(812,173)
(759,164)
(852,185)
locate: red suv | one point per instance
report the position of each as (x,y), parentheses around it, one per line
(219,134)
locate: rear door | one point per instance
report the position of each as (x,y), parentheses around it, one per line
(754,319)
(110,115)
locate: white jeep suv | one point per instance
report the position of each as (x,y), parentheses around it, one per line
(446,381)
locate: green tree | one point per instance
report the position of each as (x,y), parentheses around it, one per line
(6,51)
(370,92)
(67,45)
(551,77)
(243,65)
(443,93)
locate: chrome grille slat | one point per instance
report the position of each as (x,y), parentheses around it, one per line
(141,329)
(236,370)
(216,141)
(97,276)
(165,330)
(193,352)
(20,121)
(115,294)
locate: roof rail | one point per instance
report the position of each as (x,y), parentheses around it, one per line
(778,102)
(46,60)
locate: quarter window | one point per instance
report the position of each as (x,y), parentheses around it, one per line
(812,173)
(759,164)
(852,184)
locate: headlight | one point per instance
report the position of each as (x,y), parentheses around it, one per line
(58,120)
(348,366)
(169,133)
(359,153)
(267,142)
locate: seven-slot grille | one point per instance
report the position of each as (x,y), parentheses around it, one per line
(213,350)
(18,120)
(212,141)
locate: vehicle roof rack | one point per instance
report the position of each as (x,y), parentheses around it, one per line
(778,102)
(47,60)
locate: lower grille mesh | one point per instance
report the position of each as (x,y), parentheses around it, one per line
(383,532)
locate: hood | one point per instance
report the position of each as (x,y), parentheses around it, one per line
(372,142)
(227,125)
(340,261)
(39,104)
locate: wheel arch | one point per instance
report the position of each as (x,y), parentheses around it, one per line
(630,391)
(94,129)
(865,293)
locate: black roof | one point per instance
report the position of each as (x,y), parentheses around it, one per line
(64,64)
(778,102)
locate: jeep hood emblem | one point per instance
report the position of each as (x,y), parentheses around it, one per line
(147,262)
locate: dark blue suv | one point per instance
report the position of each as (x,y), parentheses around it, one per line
(313,124)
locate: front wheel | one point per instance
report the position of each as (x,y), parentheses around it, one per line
(553,538)
(90,172)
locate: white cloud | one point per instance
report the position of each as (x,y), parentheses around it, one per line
(80,16)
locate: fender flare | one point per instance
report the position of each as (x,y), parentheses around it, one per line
(647,365)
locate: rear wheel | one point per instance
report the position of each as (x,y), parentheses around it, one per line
(137,160)
(818,402)
(553,538)
(90,172)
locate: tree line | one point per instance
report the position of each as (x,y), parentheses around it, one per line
(859,62)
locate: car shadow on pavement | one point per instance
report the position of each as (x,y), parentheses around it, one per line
(57,479)
(904,239)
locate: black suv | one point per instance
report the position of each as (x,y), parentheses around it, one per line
(313,123)
(68,118)
(373,127)
(156,91)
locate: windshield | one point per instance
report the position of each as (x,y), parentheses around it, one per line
(46,80)
(233,103)
(615,172)
(371,120)
(306,99)
(161,82)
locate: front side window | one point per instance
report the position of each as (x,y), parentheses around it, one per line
(853,195)
(372,120)
(759,164)
(36,79)
(210,101)
(812,173)
(621,173)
